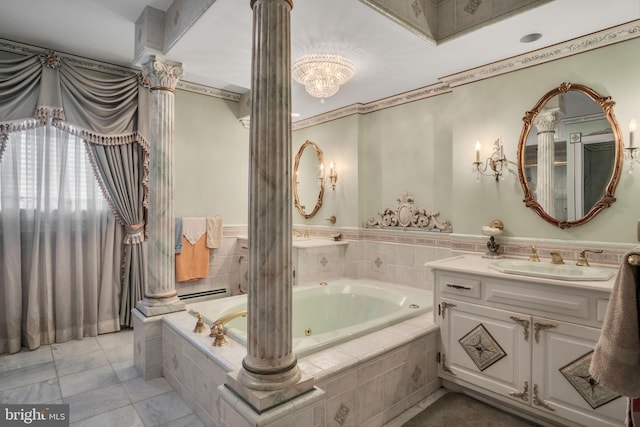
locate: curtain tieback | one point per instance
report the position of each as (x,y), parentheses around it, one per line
(134,233)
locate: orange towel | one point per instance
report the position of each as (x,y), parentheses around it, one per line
(193,262)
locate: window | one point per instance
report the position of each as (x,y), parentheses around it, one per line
(53,170)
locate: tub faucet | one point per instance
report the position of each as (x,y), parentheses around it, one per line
(217,329)
(556,258)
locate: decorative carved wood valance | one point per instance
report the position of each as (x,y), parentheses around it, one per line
(407,216)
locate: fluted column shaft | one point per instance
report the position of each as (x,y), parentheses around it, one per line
(545,123)
(270,363)
(160,293)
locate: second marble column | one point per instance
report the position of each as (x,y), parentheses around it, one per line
(270,363)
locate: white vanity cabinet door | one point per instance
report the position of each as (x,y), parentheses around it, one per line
(480,329)
(559,348)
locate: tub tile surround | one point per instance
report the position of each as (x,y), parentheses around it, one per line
(397,365)
(397,256)
(320,263)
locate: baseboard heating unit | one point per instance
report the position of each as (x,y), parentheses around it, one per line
(205,295)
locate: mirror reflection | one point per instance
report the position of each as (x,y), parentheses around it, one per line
(308,179)
(569,155)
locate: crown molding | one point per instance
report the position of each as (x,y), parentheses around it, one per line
(572,47)
(91,64)
(208,91)
(381,104)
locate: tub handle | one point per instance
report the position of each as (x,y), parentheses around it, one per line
(466,288)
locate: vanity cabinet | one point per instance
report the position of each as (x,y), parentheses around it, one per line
(523,341)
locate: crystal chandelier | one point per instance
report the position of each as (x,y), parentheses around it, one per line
(322,74)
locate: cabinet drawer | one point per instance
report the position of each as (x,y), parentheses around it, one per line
(456,285)
(537,299)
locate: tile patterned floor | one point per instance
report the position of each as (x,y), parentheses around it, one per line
(96,377)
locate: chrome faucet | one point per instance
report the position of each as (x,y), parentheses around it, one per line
(582,259)
(556,258)
(217,329)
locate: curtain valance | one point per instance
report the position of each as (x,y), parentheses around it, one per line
(46,86)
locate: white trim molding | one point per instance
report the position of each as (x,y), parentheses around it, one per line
(572,47)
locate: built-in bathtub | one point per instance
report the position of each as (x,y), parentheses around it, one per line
(328,313)
(367,376)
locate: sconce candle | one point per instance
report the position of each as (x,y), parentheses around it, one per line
(333,175)
(631,151)
(495,163)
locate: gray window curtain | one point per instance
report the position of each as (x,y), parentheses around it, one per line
(109,111)
(60,245)
(122,171)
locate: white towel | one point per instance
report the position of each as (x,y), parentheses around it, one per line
(214,232)
(193,228)
(615,363)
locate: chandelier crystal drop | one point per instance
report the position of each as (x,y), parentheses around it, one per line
(322,74)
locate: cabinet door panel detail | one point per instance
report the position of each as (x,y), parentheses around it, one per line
(481,347)
(510,371)
(577,373)
(558,349)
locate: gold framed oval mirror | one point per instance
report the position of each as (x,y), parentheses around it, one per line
(570,155)
(308,179)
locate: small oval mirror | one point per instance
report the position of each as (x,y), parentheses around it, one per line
(570,155)
(308,179)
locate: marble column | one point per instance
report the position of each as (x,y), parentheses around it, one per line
(270,363)
(160,295)
(545,123)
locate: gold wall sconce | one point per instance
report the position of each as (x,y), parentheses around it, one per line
(493,165)
(631,152)
(333,175)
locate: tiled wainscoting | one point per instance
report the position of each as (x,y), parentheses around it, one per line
(394,256)
(366,381)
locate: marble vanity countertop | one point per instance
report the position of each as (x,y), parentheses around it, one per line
(476,264)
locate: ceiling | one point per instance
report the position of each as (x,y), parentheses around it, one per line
(216,50)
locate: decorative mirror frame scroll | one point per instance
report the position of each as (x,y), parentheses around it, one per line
(608,196)
(407,215)
(296,198)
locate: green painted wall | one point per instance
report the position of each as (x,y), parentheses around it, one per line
(425,148)
(211,159)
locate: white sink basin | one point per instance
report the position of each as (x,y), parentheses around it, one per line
(552,271)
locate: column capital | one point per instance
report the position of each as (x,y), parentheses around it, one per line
(163,74)
(545,120)
(287,1)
